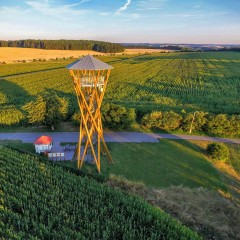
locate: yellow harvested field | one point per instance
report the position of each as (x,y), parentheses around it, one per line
(15,55)
(12,55)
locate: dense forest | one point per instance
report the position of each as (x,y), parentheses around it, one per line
(99,46)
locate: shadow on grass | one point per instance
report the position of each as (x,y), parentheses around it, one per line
(163,164)
(230,187)
(166,163)
(13,93)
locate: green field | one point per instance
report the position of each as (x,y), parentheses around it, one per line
(177,175)
(39,200)
(190,81)
(165,81)
(178,171)
(164,164)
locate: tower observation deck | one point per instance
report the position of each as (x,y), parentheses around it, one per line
(90,77)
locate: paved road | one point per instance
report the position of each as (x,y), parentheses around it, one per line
(111,137)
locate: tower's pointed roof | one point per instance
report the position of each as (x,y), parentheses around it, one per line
(88,63)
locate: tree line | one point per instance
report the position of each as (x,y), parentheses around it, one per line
(118,118)
(212,124)
(98,46)
(48,109)
(156,46)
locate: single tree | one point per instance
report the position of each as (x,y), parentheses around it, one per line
(218,151)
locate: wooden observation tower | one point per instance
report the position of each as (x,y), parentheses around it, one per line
(90,77)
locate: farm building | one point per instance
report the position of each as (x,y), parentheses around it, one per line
(43,144)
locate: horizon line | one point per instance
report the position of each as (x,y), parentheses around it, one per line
(173,43)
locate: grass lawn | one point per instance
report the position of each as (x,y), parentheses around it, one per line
(64,127)
(163,164)
(234,156)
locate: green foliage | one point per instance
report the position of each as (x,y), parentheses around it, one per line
(162,120)
(234,150)
(219,124)
(218,151)
(34,68)
(117,117)
(76,118)
(152,119)
(206,82)
(10,115)
(170,120)
(48,109)
(107,47)
(36,110)
(42,201)
(65,45)
(198,122)
(203,82)
(235,124)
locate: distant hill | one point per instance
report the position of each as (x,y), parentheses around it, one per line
(98,46)
(184,47)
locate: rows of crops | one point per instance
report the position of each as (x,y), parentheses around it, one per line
(179,82)
(15,69)
(42,201)
(18,90)
(207,82)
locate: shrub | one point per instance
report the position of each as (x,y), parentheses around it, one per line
(171,120)
(218,125)
(162,120)
(76,118)
(198,123)
(117,117)
(113,116)
(152,119)
(218,151)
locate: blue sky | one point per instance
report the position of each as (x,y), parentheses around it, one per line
(155,21)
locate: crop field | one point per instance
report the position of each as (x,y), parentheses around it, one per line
(207,82)
(13,54)
(191,81)
(144,50)
(42,201)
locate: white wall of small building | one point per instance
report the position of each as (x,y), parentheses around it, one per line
(43,148)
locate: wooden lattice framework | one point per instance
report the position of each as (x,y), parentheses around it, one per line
(90,86)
